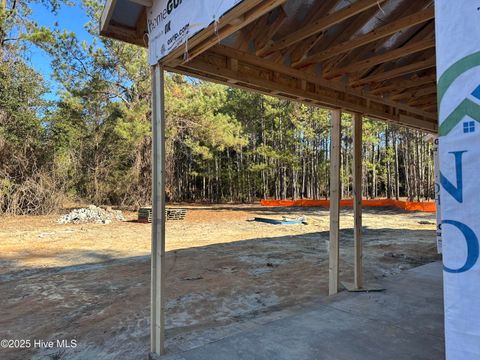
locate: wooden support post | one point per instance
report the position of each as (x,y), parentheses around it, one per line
(334,249)
(357,200)
(157,317)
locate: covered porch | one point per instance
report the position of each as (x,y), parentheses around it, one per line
(370,58)
(404,323)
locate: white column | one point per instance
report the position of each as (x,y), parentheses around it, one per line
(458,70)
(357,201)
(157,317)
(438,203)
(334,249)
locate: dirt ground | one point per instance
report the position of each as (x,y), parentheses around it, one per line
(225,273)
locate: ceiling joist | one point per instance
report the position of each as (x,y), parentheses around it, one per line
(258,74)
(398,71)
(398,85)
(383,58)
(375,57)
(320,10)
(250,16)
(263,40)
(324,23)
(370,37)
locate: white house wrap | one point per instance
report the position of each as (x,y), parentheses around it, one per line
(458,71)
(172,22)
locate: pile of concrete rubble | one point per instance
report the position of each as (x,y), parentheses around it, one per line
(92,214)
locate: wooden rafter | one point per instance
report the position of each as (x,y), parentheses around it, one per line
(253,31)
(345,31)
(324,23)
(107,16)
(424,32)
(261,75)
(404,9)
(305,46)
(231,27)
(142,24)
(210,34)
(430,108)
(371,56)
(320,10)
(428,90)
(128,35)
(241,41)
(376,34)
(385,57)
(415,93)
(265,38)
(394,84)
(424,100)
(399,71)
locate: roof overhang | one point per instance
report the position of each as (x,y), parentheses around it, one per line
(375,57)
(125,20)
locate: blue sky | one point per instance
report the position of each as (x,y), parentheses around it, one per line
(69,18)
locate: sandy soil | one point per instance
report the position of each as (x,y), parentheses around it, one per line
(225,273)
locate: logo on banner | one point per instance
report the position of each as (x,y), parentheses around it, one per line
(171,23)
(467,108)
(466,113)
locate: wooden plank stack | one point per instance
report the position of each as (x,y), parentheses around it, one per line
(175,214)
(145,214)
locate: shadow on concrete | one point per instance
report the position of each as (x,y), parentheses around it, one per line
(212,291)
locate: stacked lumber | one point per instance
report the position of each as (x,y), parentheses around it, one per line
(175,214)
(145,214)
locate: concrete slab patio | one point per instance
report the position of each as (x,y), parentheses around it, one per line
(404,322)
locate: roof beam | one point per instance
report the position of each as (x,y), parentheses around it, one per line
(426,91)
(321,9)
(176,56)
(424,101)
(377,34)
(262,75)
(405,8)
(123,34)
(399,71)
(342,34)
(251,31)
(305,46)
(383,58)
(265,38)
(106,15)
(416,93)
(142,25)
(423,32)
(201,68)
(402,84)
(408,120)
(250,16)
(324,23)
(430,108)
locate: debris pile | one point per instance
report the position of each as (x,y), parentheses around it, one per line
(92,214)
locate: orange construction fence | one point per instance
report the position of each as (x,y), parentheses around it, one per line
(404,205)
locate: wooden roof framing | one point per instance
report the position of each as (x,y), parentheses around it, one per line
(375,57)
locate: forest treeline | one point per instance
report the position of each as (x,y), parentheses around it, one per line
(91,141)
